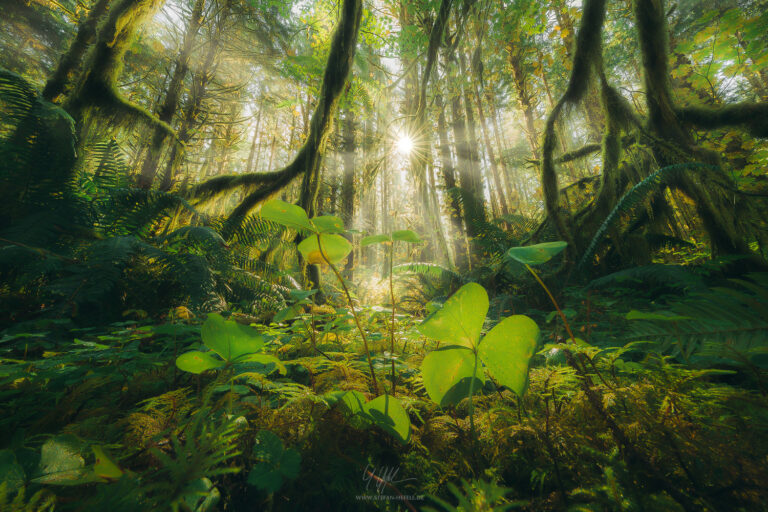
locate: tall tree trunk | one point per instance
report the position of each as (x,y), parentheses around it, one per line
(340,58)
(86,33)
(348,148)
(200,80)
(525,101)
(708,188)
(252,152)
(491,153)
(171,102)
(97,84)
(449,177)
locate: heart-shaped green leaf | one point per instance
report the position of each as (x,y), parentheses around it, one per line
(406,235)
(230,339)
(335,248)
(447,374)
(198,362)
(328,224)
(387,413)
(507,350)
(286,214)
(374,239)
(536,254)
(461,318)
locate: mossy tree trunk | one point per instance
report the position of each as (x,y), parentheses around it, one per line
(96,88)
(307,160)
(72,58)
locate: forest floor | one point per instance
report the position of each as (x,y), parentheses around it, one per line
(101,418)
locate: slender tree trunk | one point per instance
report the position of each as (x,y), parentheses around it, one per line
(525,101)
(449,177)
(491,153)
(170,104)
(252,152)
(193,107)
(348,148)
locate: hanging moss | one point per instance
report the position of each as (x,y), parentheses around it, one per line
(97,90)
(752,116)
(586,55)
(337,70)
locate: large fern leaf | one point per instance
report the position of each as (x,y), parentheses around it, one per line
(632,198)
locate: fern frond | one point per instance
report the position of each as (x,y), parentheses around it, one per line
(632,198)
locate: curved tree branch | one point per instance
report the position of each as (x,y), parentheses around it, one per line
(337,70)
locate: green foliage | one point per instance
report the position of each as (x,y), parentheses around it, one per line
(232,342)
(276,463)
(536,254)
(385,412)
(506,350)
(725,324)
(478,495)
(636,195)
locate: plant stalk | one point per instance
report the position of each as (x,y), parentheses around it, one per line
(354,313)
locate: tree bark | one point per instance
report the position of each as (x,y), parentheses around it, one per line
(337,70)
(86,33)
(173,94)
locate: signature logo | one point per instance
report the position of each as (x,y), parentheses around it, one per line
(382,476)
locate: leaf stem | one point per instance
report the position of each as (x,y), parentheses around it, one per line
(354,313)
(392,322)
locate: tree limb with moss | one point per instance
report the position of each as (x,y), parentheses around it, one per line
(307,159)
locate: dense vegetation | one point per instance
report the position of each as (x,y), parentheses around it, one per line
(383,255)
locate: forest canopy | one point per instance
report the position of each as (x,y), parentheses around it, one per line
(475,254)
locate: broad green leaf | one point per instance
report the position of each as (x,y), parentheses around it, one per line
(354,401)
(230,339)
(277,463)
(264,359)
(374,239)
(536,254)
(507,350)
(447,374)
(264,476)
(387,413)
(290,463)
(642,315)
(104,467)
(61,462)
(286,214)
(461,318)
(195,361)
(406,235)
(288,313)
(335,248)
(268,446)
(328,224)
(301,294)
